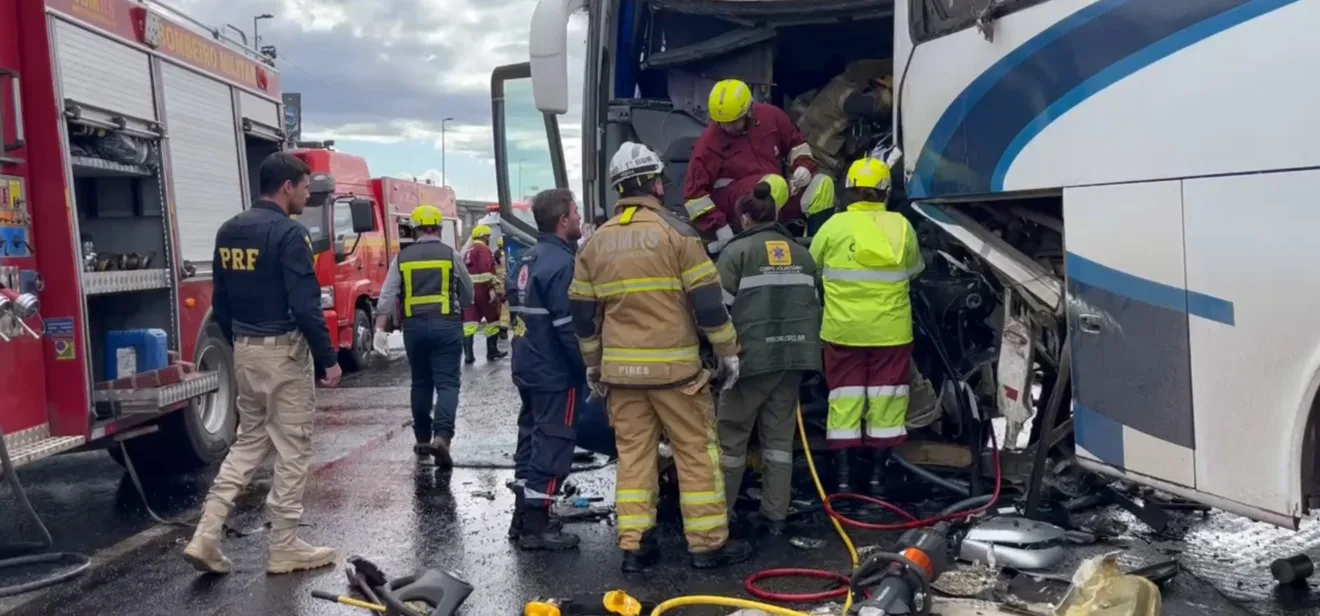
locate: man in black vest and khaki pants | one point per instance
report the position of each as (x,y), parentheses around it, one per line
(431,287)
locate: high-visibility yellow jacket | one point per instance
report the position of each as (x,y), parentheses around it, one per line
(638,284)
(865,258)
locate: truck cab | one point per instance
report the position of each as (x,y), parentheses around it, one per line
(352,247)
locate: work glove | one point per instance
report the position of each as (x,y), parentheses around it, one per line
(380,344)
(491,296)
(801,177)
(722,237)
(728,370)
(598,389)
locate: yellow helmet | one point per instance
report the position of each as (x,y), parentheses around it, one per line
(480,231)
(729,100)
(427,216)
(778,189)
(868,173)
(500,242)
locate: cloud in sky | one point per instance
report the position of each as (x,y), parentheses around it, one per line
(378,76)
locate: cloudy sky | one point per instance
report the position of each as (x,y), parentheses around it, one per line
(379,76)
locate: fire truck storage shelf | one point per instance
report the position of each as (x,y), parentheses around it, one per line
(101,283)
(140,399)
(90,166)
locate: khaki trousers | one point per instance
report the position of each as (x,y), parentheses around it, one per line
(276,399)
(769,403)
(688,420)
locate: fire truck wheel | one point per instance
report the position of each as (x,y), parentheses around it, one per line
(358,356)
(199,435)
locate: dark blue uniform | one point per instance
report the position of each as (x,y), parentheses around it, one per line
(264,284)
(547,368)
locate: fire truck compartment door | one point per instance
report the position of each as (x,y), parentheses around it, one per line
(262,116)
(203,150)
(98,72)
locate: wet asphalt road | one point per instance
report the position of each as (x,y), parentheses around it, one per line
(370,497)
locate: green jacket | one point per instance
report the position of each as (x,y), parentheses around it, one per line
(769,283)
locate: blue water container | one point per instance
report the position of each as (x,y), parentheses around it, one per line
(132,351)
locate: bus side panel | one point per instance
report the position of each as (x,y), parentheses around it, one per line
(1166,111)
(1127,320)
(1255,339)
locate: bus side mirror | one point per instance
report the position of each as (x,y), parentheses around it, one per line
(363,219)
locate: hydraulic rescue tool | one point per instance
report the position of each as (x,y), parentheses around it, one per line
(899,582)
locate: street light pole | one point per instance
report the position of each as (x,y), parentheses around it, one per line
(256,38)
(443,175)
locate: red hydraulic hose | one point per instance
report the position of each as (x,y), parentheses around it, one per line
(912,522)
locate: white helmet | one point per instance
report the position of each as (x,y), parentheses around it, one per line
(634,160)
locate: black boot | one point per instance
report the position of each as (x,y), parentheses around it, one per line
(504,333)
(843,470)
(539,534)
(469,356)
(880,458)
(516,526)
(733,551)
(635,561)
(493,351)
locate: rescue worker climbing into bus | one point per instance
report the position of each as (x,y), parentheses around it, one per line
(480,262)
(548,370)
(429,287)
(266,301)
(867,256)
(500,273)
(770,288)
(642,288)
(744,142)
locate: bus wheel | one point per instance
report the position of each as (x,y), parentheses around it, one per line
(199,435)
(358,356)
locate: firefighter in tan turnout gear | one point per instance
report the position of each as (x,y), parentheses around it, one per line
(642,287)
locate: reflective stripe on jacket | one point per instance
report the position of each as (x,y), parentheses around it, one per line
(545,349)
(867,256)
(638,285)
(480,262)
(427,272)
(770,282)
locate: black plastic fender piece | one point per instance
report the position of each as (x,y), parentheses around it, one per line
(442,591)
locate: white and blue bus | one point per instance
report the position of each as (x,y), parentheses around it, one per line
(1143,174)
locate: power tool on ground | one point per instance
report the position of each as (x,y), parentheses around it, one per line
(898,583)
(430,593)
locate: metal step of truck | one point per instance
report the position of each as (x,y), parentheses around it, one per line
(150,395)
(28,446)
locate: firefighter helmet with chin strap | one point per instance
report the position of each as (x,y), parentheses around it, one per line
(427,216)
(869,172)
(634,161)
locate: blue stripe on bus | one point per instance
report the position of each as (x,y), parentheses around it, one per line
(983,130)
(1154,293)
(1098,434)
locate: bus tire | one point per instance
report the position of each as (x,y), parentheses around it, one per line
(200,434)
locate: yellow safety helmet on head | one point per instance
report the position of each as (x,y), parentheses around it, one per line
(729,101)
(427,216)
(868,173)
(480,231)
(500,242)
(778,189)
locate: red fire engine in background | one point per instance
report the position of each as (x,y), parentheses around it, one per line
(356,232)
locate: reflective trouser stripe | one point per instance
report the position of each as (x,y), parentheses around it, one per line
(492,330)
(777,456)
(699,206)
(844,421)
(886,413)
(732,461)
(470,327)
(640,522)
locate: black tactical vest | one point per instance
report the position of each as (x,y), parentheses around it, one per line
(429,286)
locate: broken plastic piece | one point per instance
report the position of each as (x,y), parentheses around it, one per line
(1101,589)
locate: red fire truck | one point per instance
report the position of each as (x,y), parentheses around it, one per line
(130,133)
(356,231)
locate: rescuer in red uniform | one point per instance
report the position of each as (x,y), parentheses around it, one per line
(745,142)
(480,262)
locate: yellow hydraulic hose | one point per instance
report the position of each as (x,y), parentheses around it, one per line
(766,607)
